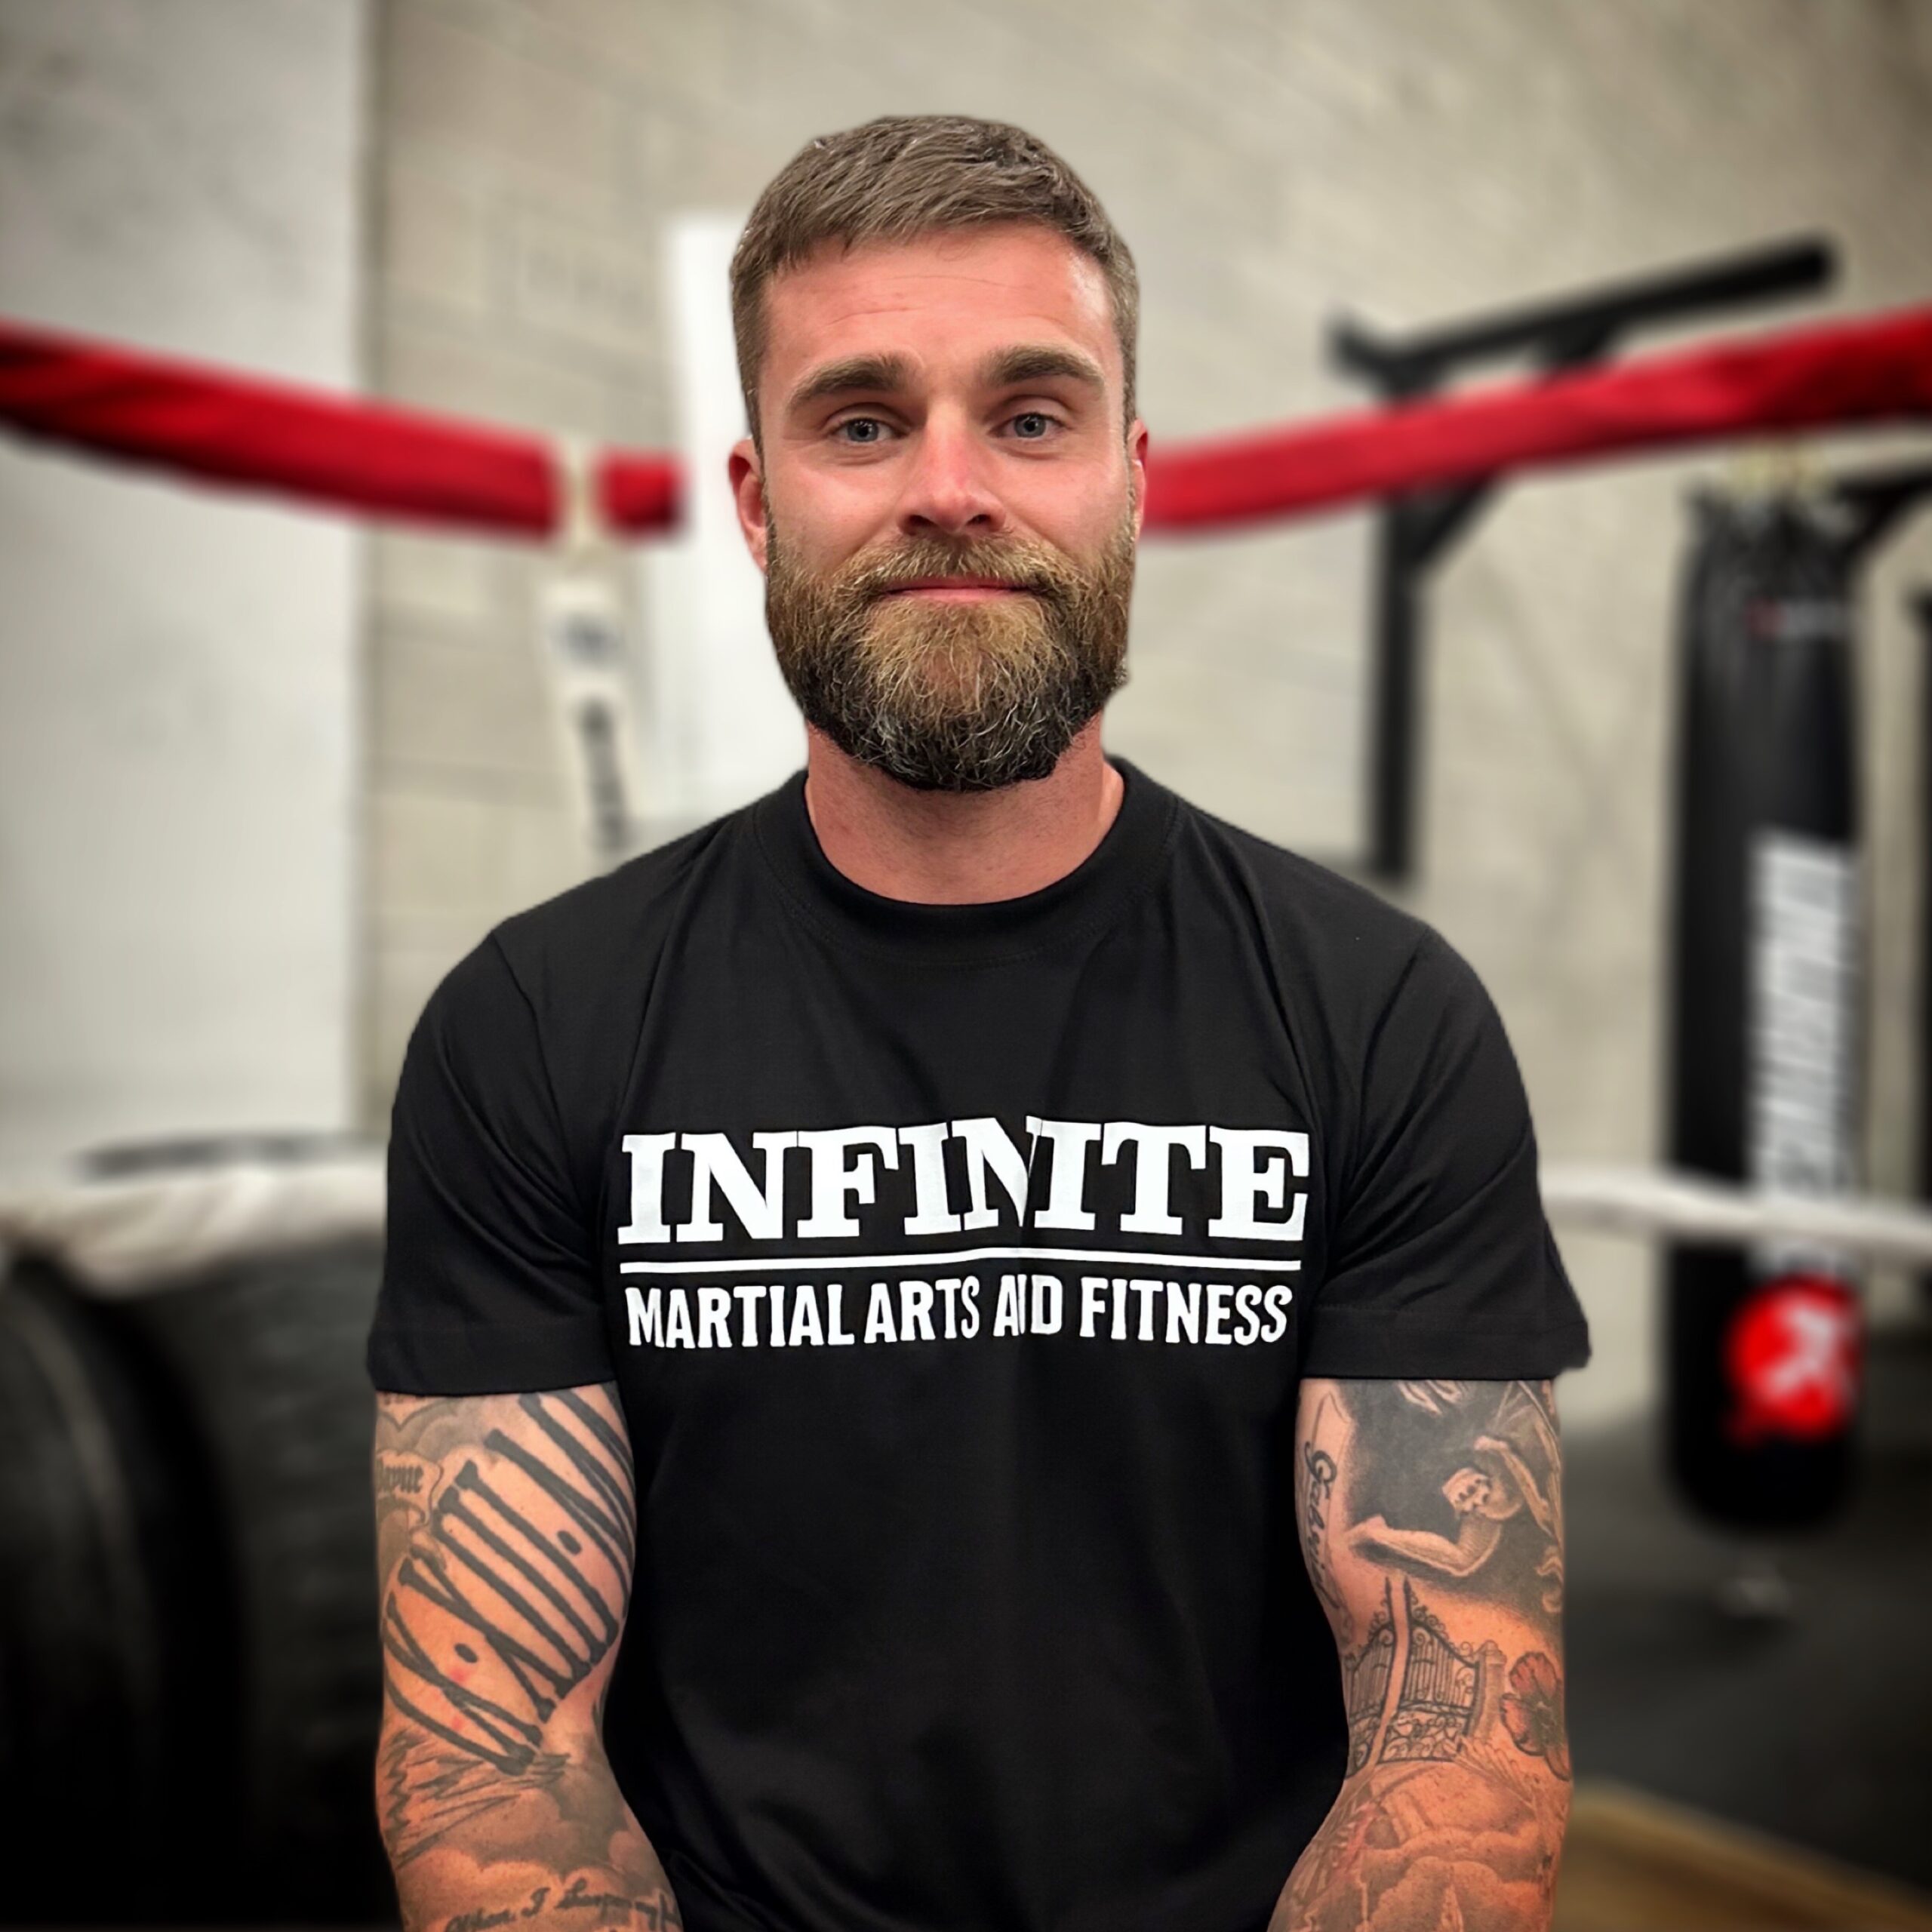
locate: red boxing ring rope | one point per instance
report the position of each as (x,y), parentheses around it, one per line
(1878,369)
(377,459)
(371,458)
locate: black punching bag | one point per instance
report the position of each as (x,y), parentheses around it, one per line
(1921,609)
(1764,1343)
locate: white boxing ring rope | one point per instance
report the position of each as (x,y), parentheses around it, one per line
(123,1234)
(1694,1210)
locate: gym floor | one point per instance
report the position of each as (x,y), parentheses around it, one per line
(1811,1729)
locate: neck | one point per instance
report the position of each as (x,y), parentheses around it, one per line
(959,848)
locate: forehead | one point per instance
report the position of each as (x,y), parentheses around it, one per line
(937,298)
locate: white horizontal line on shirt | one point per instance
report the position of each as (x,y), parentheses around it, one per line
(819,1264)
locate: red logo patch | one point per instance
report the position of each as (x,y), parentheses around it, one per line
(1792,1358)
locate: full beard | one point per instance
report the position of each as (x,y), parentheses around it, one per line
(969,696)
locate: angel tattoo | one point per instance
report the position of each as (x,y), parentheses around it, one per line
(1508,1472)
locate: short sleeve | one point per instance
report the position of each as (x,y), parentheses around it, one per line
(1441,1262)
(490,1281)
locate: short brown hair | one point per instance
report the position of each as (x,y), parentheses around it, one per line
(905,175)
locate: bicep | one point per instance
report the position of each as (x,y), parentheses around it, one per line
(1430,1514)
(507,1543)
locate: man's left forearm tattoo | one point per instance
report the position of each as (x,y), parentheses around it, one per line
(1430,1519)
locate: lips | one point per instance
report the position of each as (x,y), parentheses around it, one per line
(957,583)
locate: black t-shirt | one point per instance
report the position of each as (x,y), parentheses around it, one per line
(957,1265)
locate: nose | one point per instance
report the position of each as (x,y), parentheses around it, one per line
(949,488)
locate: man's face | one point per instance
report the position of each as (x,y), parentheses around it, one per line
(947,501)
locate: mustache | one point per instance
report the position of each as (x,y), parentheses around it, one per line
(1013,567)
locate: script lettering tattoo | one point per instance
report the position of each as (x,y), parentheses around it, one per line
(1317,1472)
(507,1539)
(655,1914)
(1431,1518)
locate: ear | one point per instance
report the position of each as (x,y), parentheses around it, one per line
(1137,467)
(748,495)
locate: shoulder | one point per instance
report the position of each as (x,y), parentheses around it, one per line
(1340,940)
(1380,1005)
(606,935)
(550,988)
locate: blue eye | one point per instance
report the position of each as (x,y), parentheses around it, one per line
(1031,425)
(864,428)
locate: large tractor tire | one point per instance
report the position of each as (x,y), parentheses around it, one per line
(268,1357)
(117,1710)
(190,1677)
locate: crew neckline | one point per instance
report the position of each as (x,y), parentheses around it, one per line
(1073,906)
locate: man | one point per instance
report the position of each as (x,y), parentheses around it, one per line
(973,1258)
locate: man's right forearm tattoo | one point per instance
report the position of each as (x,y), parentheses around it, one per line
(517,1583)
(507,1552)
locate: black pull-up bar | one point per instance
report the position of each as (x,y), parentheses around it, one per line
(1761,275)
(1416,529)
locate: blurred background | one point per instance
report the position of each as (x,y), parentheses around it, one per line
(267,772)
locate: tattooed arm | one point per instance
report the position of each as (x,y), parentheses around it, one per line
(1432,1524)
(506,1536)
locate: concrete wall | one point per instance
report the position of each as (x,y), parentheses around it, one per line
(178,779)
(1270,166)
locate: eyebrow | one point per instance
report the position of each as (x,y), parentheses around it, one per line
(855,373)
(1036,362)
(1029,362)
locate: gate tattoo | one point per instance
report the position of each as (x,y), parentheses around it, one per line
(1449,1692)
(1366,1673)
(1414,1692)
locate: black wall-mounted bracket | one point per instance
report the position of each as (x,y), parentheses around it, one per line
(1417,529)
(1871,502)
